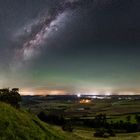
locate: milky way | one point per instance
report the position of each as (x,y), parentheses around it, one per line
(82,46)
(39,31)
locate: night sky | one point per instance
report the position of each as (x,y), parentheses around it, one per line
(70,46)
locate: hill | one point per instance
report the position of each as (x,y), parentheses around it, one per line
(20,125)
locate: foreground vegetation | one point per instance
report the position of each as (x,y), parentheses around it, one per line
(67,120)
(16,124)
(20,125)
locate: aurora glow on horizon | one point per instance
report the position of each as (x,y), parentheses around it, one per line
(70,46)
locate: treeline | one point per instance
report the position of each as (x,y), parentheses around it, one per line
(104,128)
(51,118)
(100,123)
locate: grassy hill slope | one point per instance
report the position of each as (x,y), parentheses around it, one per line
(20,125)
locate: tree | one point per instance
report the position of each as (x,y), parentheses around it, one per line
(137,117)
(128,118)
(100,120)
(10,96)
(68,127)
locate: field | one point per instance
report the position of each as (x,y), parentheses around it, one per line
(115,110)
(112,108)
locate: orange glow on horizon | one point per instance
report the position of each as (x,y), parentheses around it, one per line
(41,92)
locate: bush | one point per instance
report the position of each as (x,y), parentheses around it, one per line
(100,132)
(104,133)
(111,133)
(67,127)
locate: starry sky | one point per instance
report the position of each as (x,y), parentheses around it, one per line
(70,46)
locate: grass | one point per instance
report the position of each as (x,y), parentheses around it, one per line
(123,118)
(20,125)
(88,135)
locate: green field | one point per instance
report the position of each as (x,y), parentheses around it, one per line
(115,110)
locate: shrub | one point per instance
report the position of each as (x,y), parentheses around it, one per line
(104,133)
(67,127)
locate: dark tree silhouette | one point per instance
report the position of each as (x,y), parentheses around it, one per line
(51,118)
(68,127)
(137,117)
(10,96)
(128,118)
